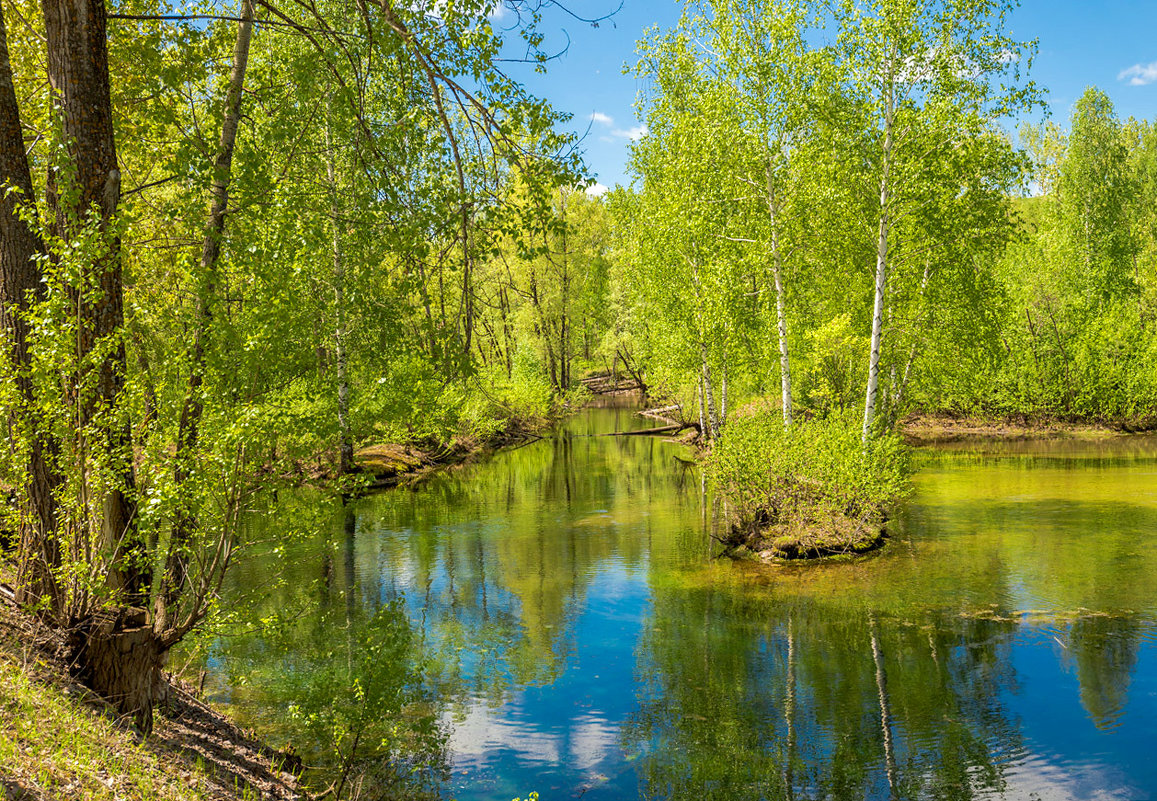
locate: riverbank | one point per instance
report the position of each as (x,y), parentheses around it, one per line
(935,429)
(838,536)
(387,465)
(392,464)
(759,536)
(58,740)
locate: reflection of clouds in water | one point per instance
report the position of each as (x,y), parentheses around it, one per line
(591,741)
(475,738)
(1037,778)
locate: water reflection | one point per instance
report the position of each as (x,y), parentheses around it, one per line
(581,639)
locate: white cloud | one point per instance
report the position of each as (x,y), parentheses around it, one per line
(596,189)
(1140,74)
(602,119)
(634,134)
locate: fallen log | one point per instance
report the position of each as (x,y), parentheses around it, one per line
(660,413)
(675,427)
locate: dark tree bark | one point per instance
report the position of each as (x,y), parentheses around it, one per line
(119,661)
(107,654)
(21,284)
(78,72)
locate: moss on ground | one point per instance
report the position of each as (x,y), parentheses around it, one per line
(831,537)
(388,461)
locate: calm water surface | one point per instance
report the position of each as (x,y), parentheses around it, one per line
(585,642)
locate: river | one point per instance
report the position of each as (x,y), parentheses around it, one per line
(581,639)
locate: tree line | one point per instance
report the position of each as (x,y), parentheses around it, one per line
(831,214)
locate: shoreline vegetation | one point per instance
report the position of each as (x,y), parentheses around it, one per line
(754,533)
(830,523)
(390,464)
(60,737)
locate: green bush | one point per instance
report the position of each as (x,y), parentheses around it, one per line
(812,473)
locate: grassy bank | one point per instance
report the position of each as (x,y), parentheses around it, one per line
(58,741)
(503,424)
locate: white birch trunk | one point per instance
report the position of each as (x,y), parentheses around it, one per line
(708,392)
(723,397)
(780,314)
(702,422)
(881,271)
(898,391)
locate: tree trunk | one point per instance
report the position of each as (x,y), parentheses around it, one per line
(189,427)
(77,48)
(708,393)
(345,439)
(723,395)
(564,334)
(122,662)
(780,313)
(507,336)
(702,421)
(21,283)
(881,271)
(900,388)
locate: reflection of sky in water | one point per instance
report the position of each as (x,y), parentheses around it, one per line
(1067,755)
(562,738)
(586,643)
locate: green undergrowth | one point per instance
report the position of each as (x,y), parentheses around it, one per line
(811,490)
(53,745)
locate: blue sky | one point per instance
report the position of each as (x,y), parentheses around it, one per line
(1082,43)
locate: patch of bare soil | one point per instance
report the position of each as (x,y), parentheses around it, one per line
(932,429)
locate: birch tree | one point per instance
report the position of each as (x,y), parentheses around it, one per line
(762,54)
(950,67)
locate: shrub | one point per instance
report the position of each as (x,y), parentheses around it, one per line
(815,482)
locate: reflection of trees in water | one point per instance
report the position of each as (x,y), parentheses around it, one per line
(787,700)
(342,684)
(1104,649)
(498,561)
(753,682)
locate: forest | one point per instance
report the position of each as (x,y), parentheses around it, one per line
(241,242)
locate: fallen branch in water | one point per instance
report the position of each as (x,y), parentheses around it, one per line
(673,428)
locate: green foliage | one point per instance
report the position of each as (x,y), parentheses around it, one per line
(813,472)
(353,690)
(833,379)
(1071,301)
(774,170)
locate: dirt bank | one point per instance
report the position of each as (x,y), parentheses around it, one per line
(59,741)
(932,429)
